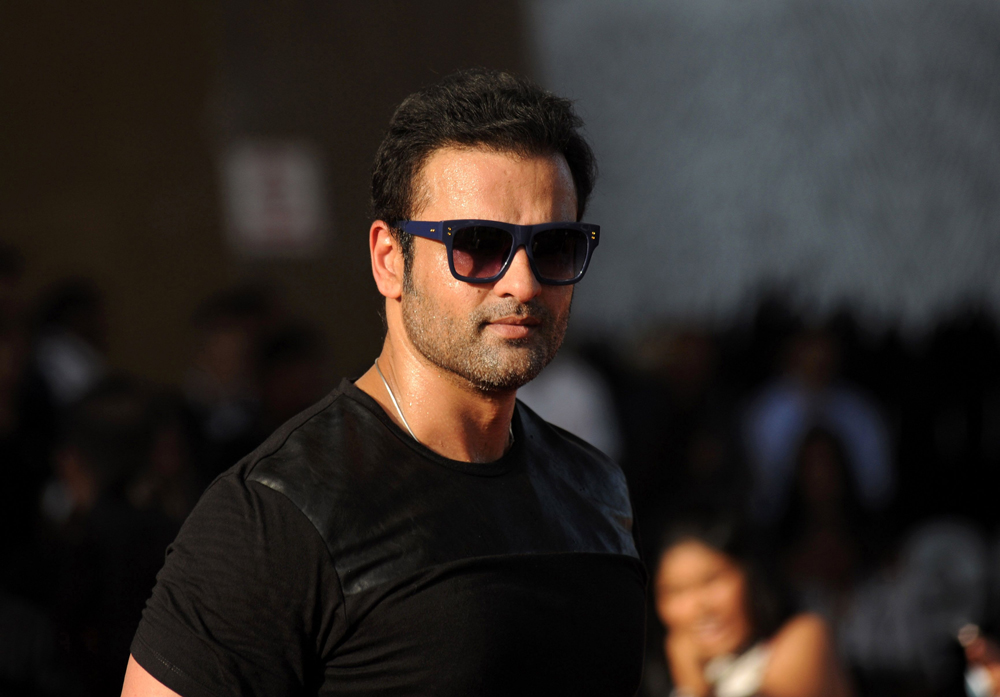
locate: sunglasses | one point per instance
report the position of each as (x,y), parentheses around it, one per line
(480,251)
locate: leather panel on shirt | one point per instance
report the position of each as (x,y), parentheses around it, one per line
(387,507)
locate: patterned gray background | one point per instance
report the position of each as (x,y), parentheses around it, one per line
(846,149)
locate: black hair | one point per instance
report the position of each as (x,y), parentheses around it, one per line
(112,428)
(11,262)
(796,514)
(289,343)
(477,107)
(237,305)
(64,303)
(768,602)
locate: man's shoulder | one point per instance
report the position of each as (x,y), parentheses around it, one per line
(303,439)
(328,448)
(586,469)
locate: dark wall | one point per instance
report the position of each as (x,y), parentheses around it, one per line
(113,114)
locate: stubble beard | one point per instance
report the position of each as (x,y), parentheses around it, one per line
(465,347)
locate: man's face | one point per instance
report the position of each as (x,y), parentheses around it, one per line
(497,336)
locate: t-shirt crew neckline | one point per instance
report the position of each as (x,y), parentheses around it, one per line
(503,465)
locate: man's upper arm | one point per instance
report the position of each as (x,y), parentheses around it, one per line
(139,683)
(248,601)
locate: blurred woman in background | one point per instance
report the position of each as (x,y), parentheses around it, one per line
(728,632)
(826,538)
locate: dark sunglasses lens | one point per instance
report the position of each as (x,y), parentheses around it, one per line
(560,253)
(480,251)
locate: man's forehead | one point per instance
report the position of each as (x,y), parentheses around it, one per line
(473,181)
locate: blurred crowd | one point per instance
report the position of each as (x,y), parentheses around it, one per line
(853,469)
(847,473)
(100,468)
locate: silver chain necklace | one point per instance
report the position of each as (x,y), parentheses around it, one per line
(395,403)
(510,427)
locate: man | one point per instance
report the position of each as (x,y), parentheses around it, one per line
(417,531)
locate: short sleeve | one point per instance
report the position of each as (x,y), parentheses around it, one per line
(248,601)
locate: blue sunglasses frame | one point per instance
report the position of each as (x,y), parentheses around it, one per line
(441,231)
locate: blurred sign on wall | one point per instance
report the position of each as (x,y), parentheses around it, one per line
(275,199)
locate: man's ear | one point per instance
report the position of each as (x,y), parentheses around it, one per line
(387,260)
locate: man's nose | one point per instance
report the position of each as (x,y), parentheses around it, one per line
(519,282)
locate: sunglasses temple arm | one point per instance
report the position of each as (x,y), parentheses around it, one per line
(421,228)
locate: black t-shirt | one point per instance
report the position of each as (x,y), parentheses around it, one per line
(344,558)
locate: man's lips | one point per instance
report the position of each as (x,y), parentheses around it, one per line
(514,327)
(520,321)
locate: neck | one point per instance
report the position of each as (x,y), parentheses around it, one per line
(445,412)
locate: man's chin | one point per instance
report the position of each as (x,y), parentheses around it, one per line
(500,386)
(510,374)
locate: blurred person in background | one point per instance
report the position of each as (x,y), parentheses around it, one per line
(729,631)
(31,662)
(67,358)
(70,344)
(11,272)
(681,445)
(13,353)
(826,537)
(103,553)
(982,655)
(809,394)
(170,481)
(221,387)
(23,466)
(899,628)
(24,462)
(291,365)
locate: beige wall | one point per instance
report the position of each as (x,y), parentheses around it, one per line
(112,114)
